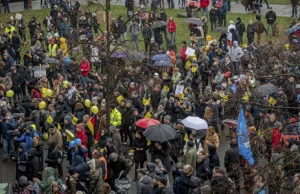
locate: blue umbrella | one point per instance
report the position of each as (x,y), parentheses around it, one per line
(120,54)
(161,57)
(293,29)
(163,64)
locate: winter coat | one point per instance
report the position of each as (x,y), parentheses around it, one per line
(235,52)
(240,27)
(182,184)
(213,15)
(64,28)
(32,26)
(17,81)
(72,183)
(190,157)
(120,165)
(134,30)
(196,182)
(28,105)
(85,67)
(259,27)
(39,152)
(270,17)
(204,3)
(232,158)
(33,164)
(276,137)
(178,143)
(57,138)
(203,170)
(96,176)
(63,46)
(10,126)
(200,109)
(28,138)
(122,26)
(214,159)
(80,167)
(22,158)
(45,184)
(144,186)
(171,26)
(140,156)
(82,135)
(53,155)
(162,154)
(116,141)
(223,9)
(147,33)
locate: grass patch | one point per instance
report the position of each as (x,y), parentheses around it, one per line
(280,2)
(182,27)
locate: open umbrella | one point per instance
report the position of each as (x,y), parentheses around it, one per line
(293,29)
(220,30)
(120,54)
(266,90)
(231,123)
(194,123)
(147,122)
(160,133)
(163,64)
(134,57)
(194,21)
(51,61)
(196,4)
(161,57)
(159,24)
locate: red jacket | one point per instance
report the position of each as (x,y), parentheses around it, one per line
(171,26)
(85,67)
(182,52)
(82,136)
(35,94)
(276,137)
(204,3)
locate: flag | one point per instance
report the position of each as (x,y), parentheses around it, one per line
(74,120)
(58,126)
(70,135)
(186,137)
(243,139)
(49,119)
(91,124)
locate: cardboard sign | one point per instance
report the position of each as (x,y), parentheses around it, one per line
(18,16)
(179,89)
(39,71)
(101,17)
(189,51)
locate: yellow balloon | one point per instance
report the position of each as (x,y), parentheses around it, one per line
(95,109)
(87,103)
(42,105)
(45,136)
(49,93)
(10,93)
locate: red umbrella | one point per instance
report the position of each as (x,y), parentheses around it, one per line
(144,123)
(231,123)
(196,4)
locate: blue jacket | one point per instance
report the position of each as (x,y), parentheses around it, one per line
(22,157)
(223,9)
(8,127)
(64,28)
(28,138)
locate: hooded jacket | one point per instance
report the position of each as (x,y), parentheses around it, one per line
(28,105)
(72,183)
(7,127)
(80,167)
(33,164)
(28,138)
(81,135)
(232,156)
(46,183)
(64,46)
(213,156)
(151,169)
(235,52)
(53,155)
(144,185)
(85,67)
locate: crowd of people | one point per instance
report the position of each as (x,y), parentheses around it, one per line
(69,118)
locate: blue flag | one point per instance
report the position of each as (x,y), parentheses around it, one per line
(243,139)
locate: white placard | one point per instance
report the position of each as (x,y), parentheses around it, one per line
(18,16)
(179,89)
(189,51)
(39,71)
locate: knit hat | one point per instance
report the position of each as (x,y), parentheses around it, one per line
(68,118)
(205,189)
(113,156)
(95,99)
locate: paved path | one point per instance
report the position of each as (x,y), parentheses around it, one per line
(281,10)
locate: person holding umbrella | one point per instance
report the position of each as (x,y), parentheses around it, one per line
(140,147)
(161,151)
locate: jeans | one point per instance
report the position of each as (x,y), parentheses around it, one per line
(266,1)
(272,27)
(6,7)
(25,4)
(206,11)
(294,11)
(124,37)
(173,37)
(5,147)
(213,24)
(134,41)
(18,97)
(223,18)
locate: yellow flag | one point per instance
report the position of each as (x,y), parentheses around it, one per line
(74,120)
(272,101)
(58,126)
(148,115)
(49,119)
(120,98)
(44,92)
(181,96)
(148,143)
(186,137)
(70,135)
(166,88)
(146,101)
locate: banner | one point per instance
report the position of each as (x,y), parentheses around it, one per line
(39,71)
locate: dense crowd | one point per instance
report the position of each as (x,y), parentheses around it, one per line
(60,115)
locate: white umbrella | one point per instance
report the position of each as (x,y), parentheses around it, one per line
(194,123)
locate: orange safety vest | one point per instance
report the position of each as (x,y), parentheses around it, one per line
(102,159)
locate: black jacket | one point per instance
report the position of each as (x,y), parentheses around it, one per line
(232,157)
(170,108)
(17,81)
(147,33)
(80,167)
(120,165)
(214,159)
(28,105)
(240,27)
(144,186)
(270,17)
(203,169)
(32,26)
(53,155)
(32,164)
(213,15)
(140,156)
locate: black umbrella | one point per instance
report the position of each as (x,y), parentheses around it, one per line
(51,61)
(160,133)
(194,21)
(163,64)
(159,24)
(219,29)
